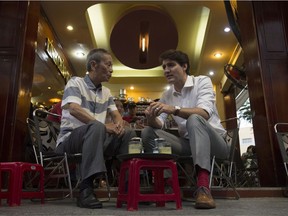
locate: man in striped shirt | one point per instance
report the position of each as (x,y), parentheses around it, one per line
(85,104)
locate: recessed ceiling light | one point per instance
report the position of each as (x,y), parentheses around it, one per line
(54,100)
(79,54)
(217,54)
(131,87)
(49,87)
(211,73)
(227,29)
(70,28)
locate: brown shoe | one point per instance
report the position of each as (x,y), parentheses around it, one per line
(204,199)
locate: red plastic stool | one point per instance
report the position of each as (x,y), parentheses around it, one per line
(15,191)
(133,196)
(12,193)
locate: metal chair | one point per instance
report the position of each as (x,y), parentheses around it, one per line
(282,137)
(281,131)
(56,166)
(223,171)
(46,136)
(189,175)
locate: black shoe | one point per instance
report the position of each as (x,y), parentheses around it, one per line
(87,199)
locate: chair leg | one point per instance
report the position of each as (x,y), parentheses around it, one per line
(228,181)
(211,171)
(187,175)
(223,175)
(107,187)
(68,176)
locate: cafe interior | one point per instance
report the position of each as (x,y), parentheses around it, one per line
(231,42)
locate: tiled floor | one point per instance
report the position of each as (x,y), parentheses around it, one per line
(244,206)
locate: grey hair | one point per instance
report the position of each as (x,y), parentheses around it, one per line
(95,55)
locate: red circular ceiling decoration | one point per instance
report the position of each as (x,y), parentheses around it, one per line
(151,23)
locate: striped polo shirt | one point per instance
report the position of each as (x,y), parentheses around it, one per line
(95,100)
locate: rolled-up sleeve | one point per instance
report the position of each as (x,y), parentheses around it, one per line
(206,95)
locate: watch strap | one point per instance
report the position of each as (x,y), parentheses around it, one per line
(177,110)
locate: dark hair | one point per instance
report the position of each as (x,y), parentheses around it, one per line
(253,148)
(131,105)
(175,55)
(95,55)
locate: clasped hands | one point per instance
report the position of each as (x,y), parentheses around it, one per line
(115,128)
(156,108)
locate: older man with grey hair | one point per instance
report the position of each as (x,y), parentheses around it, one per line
(85,105)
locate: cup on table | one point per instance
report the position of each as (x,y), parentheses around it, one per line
(135,145)
(162,146)
(133,125)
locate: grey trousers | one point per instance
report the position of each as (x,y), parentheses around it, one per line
(203,142)
(95,144)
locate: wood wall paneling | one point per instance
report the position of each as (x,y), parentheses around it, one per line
(17,48)
(274,58)
(7,68)
(253,73)
(10,20)
(25,79)
(263,27)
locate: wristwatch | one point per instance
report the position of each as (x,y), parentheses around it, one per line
(177,109)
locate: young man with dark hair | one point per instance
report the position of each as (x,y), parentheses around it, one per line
(191,102)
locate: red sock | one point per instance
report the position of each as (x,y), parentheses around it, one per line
(203,178)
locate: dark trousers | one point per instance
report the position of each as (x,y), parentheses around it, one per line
(95,144)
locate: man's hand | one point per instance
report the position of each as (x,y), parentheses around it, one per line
(156,108)
(117,129)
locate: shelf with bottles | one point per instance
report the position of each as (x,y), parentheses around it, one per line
(141,107)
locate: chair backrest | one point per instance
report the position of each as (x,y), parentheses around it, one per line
(34,139)
(232,137)
(43,133)
(46,129)
(281,130)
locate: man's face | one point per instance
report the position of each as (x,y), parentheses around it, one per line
(102,71)
(173,71)
(132,111)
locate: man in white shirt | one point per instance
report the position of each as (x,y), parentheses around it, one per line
(191,102)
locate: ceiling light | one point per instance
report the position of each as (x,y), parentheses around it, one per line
(54,100)
(37,78)
(143,41)
(227,29)
(211,73)
(69,27)
(49,87)
(60,92)
(218,55)
(132,88)
(79,54)
(167,87)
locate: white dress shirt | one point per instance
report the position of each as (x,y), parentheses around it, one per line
(197,92)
